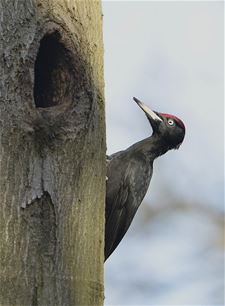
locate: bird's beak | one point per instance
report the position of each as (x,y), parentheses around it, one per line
(152,116)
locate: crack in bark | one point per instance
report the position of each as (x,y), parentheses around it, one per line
(40,220)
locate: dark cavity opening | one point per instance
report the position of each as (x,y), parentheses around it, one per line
(53,84)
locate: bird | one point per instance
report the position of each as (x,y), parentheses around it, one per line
(129,173)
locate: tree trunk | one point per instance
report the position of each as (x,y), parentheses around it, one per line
(52,153)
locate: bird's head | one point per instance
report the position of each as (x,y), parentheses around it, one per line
(168,127)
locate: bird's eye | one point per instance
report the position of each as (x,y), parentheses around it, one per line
(170,122)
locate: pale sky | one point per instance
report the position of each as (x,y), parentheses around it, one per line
(170,55)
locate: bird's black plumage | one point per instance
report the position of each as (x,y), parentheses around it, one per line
(129,174)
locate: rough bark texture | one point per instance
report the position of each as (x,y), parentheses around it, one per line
(52,153)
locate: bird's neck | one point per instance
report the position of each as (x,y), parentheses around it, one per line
(152,147)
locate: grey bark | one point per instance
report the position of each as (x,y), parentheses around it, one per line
(52,153)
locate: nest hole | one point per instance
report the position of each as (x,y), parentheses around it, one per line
(54,79)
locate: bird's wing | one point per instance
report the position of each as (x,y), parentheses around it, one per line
(110,157)
(119,213)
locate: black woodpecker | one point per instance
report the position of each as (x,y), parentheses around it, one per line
(129,173)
